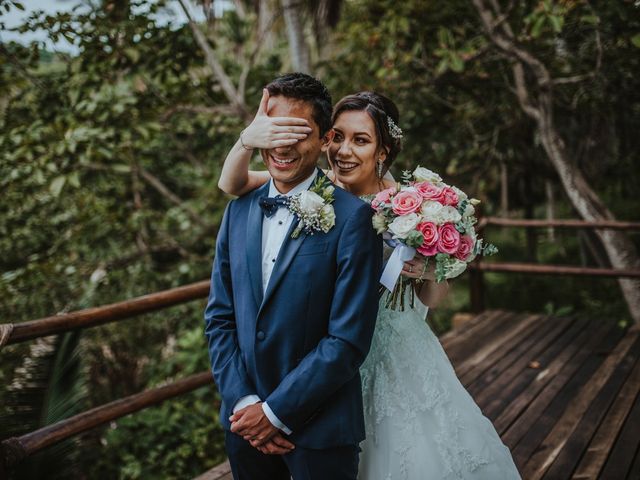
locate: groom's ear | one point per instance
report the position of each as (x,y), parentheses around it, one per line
(327,139)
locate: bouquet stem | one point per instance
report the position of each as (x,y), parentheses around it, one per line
(396,299)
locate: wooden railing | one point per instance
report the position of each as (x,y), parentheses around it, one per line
(14,450)
(477,268)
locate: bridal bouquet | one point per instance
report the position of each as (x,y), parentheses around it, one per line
(425,215)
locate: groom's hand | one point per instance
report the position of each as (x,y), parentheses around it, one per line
(252,424)
(276,445)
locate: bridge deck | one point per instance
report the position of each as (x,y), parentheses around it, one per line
(563,393)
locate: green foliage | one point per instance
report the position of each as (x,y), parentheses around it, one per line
(180,438)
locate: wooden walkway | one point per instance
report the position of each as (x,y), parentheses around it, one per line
(563,393)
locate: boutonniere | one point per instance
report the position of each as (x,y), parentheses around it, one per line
(313,208)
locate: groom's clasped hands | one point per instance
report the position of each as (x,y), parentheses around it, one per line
(253,425)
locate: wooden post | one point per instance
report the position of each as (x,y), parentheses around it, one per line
(476,278)
(476,288)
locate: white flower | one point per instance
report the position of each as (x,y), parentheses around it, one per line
(430,210)
(328,218)
(402,225)
(469,211)
(437,213)
(310,201)
(455,268)
(422,174)
(379,223)
(474,201)
(449,214)
(329,189)
(461,195)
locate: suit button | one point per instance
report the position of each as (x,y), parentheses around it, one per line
(260,335)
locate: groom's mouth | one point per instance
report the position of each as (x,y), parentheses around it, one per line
(346,166)
(282,163)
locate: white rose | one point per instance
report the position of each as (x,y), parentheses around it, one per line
(310,201)
(431,210)
(402,225)
(449,214)
(422,174)
(379,222)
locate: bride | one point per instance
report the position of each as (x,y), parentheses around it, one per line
(420,421)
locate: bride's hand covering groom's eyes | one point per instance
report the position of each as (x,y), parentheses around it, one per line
(267,132)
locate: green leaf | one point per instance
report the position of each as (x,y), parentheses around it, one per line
(132,54)
(121,168)
(56,185)
(636,40)
(74,179)
(556,23)
(457,65)
(537,27)
(591,19)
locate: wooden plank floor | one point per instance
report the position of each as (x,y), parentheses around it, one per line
(563,393)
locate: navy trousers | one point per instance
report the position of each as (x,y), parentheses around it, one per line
(247,463)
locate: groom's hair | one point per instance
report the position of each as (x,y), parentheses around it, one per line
(306,88)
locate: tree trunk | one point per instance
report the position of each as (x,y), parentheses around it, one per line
(620,249)
(300,55)
(266,19)
(551,207)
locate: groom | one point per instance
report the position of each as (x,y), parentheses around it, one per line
(289,320)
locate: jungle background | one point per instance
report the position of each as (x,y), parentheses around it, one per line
(110,154)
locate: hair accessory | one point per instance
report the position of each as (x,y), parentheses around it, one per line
(394,130)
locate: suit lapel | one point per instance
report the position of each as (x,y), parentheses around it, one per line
(254,243)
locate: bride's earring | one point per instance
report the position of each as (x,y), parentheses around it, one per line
(380,167)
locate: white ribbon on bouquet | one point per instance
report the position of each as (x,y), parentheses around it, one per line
(401,253)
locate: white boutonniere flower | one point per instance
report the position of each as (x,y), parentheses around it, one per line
(313,208)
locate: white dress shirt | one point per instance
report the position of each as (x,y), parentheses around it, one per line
(274,231)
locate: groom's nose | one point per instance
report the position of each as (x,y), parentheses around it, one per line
(283,149)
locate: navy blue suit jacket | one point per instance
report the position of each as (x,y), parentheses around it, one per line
(300,345)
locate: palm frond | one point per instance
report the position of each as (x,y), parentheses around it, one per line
(49,386)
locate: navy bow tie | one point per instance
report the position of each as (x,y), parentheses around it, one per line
(270,205)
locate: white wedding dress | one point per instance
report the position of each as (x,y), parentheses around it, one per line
(421,424)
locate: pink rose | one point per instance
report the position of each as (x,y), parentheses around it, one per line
(428,190)
(449,239)
(465,248)
(430,234)
(428,251)
(382,197)
(406,202)
(449,197)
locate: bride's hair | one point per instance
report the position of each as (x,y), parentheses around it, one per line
(379,108)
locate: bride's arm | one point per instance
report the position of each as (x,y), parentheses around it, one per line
(236,178)
(264,132)
(429,292)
